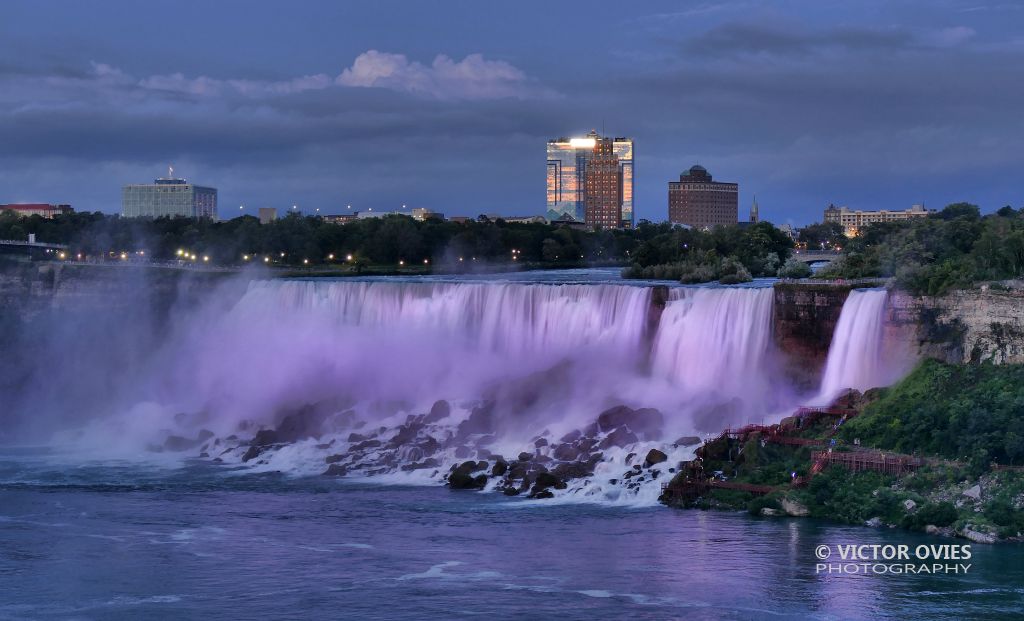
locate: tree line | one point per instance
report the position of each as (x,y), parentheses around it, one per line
(950,249)
(308,240)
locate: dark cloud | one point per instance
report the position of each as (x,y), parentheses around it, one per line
(741,38)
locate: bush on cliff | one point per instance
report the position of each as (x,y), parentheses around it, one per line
(972,413)
(839,494)
(758,248)
(794,268)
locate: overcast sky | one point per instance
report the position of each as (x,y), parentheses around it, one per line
(447,105)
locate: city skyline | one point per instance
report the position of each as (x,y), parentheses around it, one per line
(879,106)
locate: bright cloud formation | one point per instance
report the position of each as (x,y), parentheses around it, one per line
(472,78)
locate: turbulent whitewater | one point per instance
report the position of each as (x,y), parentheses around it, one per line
(577,391)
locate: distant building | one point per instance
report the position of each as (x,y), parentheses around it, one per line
(422,213)
(699,201)
(853,221)
(460,219)
(168,196)
(370,213)
(268,215)
(575,179)
(525,219)
(755,214)
(344,218)
(572,224)
(37,209)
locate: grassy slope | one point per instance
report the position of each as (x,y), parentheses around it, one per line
(971,414)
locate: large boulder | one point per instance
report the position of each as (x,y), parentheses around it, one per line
(974,493)
(406,434)
(306,422)
(440,410)
(572,436)
(654,456)
(480,421)
(977,536)
(611,418)
(647,422)
(336,470)
(566,452)
(573,470)
(794,508)
(266,437)
(253,453)
(620,437)
(462,480)
(687,441)
(429,462)
(462,476)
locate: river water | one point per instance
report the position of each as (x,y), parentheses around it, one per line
(130,541)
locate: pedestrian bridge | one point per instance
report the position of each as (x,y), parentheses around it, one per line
(815,256)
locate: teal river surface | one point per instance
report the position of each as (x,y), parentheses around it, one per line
(198,541)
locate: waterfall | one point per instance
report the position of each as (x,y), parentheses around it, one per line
(715,339)
(855,357)
(506,318)
(554,353)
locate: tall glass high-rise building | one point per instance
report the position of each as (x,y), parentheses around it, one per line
(568,160)
(168,196)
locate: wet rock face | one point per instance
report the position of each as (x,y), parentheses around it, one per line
(804,319)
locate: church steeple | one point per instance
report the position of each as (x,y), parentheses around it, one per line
(754,216)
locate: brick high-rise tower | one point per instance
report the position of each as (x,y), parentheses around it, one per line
(698,201)
(603,187)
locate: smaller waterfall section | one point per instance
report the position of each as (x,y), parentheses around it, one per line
(856,355)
